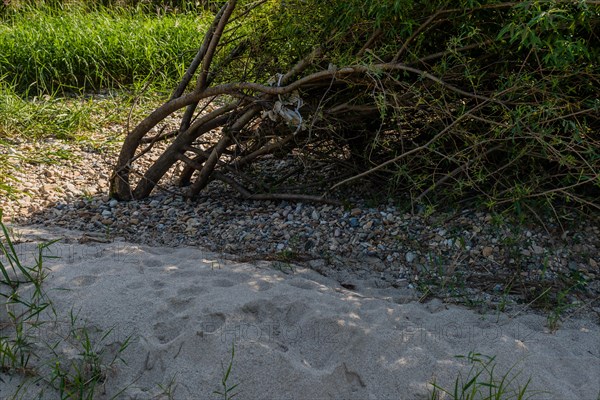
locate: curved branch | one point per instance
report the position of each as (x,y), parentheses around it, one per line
(212,47)
(246,194)
(199,56)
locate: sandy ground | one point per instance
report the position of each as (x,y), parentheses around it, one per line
(297,334)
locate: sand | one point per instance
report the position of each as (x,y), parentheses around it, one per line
(297,334)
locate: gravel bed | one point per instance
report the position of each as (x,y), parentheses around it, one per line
(470,257)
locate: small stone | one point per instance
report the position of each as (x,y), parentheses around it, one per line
(113,203)
(107,221)
(134,221)
(355,212)
(368,225)
(410,257)
(106,213)
(537,249)
(315,215)
(69,187)
(154,203)
(593,263)
(573,266)
(192,222)
(354,222)
(47,189)
(487,251)
(337,232)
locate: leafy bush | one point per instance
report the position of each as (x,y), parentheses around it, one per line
(440,100)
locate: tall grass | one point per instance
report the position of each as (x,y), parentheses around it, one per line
(73,49)
(38,117)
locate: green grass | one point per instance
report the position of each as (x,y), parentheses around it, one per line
(483,382)
(227,391)
(24,311)
(82,119)
(50,57)
(36,118)
(76,118)
(81,377)
(44,50)
(22,300)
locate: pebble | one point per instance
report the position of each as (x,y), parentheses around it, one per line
(537,249)
(487,251)
(48,188)
(399,246)
(410,257)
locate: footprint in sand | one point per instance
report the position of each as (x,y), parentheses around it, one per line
(303,284)
(223,283)
(158,284)
(152,263)
(211,324)
(84,280)
(345,380)
(135,285)
(178,304)
(193,290)
(169,330)
(260,285)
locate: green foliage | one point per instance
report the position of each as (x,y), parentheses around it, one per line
(227,391)
(39,117)
(82,377)
(22,301)
(559,32)
(482,382)
(536,62)
(510,116)
(73,49)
